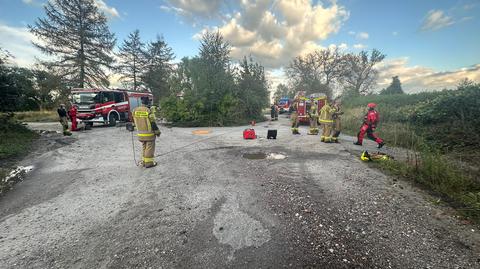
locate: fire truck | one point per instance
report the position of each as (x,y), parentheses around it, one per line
(106,106)
(284,104)
(304,105)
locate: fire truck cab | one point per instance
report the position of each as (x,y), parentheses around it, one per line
(284,104)
(106,106)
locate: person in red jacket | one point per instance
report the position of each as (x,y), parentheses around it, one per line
(72,113)
(369,124)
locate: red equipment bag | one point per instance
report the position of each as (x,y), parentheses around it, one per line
(249,134)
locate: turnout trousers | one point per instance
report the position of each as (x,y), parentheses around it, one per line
(366,129)
(326,132)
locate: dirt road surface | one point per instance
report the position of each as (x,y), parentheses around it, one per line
(86,205)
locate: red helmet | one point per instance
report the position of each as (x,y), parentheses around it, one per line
(372,105)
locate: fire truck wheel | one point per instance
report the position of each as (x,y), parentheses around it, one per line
(112,119)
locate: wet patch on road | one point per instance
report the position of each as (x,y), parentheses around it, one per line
(237,229)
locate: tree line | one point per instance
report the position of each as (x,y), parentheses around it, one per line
(326,70)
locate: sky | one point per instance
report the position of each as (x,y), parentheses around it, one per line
(430,44)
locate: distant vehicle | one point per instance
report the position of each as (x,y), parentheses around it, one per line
(304,105)
(284,104)
(106,106)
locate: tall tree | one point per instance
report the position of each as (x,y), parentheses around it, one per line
(132,59)
(76,33)
(360,73)
(394,88)
(252,90)
(316,71)
(158,68)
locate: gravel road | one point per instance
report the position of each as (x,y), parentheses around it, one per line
(86,205)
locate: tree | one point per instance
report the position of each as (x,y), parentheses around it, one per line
(360,73)
(317,71)
(394,88)
(252,92)
(76,33)
(159,68)
(4,56)
(283,91)
(132,59)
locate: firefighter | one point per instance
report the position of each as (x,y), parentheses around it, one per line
(326,120)
(370,122)
(72,113)
(294,116)
(313,117)
(272,112)
(147,128)
(62,114)
(337,121)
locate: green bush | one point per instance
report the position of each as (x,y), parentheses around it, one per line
(15,138)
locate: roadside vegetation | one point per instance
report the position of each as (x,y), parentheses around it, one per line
(15,140)
(440,130)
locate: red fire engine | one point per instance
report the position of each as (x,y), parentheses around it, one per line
(305,103)
(107,106)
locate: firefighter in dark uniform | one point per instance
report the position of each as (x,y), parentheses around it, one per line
(147,128)
(294,116)
(62,114)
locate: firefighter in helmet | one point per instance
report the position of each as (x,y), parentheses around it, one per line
(147,128)
(294,116)
(313,117)
(326,120)
(62,115)
(337,121)
(370,122)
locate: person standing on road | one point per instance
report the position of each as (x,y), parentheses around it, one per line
(337,121)
(313,117)
(326,120)
(294,116)
(62,114)
(147,128)
(72,113)
(370,122)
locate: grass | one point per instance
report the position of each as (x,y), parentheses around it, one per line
(437,174)
(445,174)
(37,116)
(15,140)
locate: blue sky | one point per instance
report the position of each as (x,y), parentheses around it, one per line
(428,43)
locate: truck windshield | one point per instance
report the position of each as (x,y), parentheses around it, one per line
(83,98)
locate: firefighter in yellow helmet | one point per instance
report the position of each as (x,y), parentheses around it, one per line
(294,116)
(147,128)
(326,121)
(313,117)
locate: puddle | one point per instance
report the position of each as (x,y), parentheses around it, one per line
(262,155)
(18,172)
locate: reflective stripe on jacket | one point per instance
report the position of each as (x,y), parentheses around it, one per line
(326,114)
(143,119)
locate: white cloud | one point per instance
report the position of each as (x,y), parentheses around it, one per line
(191,9)
(435,20)
(359,46)
(102,6)
(420,78)
(362,35)
(274,32)
(351,32)
(18,41)
(394,33)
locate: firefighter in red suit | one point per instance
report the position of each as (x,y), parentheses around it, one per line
(369,124)
(72,113)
